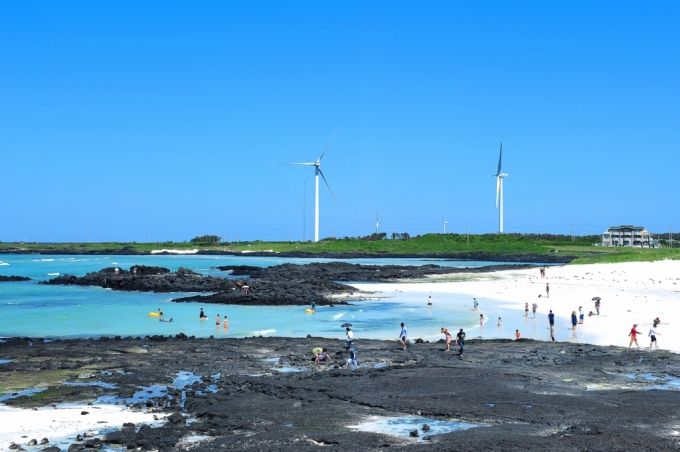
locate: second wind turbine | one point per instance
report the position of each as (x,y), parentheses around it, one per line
(317,172)
(499,191)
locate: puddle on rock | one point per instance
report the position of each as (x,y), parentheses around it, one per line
(403,426)
(287,369)
(5,361)
(185,379)
(101,384)
(665,383)
(380,365)
(146,393)
(272,360)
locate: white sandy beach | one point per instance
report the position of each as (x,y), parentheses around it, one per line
(60,425)
(635,292)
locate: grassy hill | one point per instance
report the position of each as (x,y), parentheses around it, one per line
(429,244)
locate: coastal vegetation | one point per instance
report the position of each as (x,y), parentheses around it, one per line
(581,248)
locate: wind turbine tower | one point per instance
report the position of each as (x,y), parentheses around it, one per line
(499,190)
(377,223)
(317,172)
(444,223)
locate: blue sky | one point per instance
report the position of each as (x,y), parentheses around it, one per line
(120,119)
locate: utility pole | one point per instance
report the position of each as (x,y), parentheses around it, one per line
(468,233)
(304,186)
(333,236)
(572,232)
(670,238)
(237,239)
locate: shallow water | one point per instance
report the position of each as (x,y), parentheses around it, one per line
(29,309)
(14,395)
(663,383)
(402,426)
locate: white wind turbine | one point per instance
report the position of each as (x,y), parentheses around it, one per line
(444,223)
(377,223)
(499,191)
(317,171)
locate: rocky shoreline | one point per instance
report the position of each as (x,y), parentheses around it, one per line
(13,278)
(280,285)
(528,395)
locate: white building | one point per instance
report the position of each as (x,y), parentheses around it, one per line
(628,235)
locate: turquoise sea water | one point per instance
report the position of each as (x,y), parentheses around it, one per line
(29,309)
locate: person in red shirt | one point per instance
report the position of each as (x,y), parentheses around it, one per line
(516,334)
(633,336)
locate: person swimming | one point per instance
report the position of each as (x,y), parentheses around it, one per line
(168,321)
(160,312)
(202,315)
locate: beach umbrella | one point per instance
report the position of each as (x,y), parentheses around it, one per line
(596,299)
(345,325)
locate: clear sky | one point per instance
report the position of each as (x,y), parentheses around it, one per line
(121,119)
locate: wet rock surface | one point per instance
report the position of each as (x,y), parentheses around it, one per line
(13,278)
(530,395)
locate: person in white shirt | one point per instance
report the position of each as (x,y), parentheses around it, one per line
(652,337)
(350,337)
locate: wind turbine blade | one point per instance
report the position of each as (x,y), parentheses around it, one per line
(498,190)
(329,143)
(329,187)
(306,164)
(500,157)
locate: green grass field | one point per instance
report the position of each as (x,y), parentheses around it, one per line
(430,244)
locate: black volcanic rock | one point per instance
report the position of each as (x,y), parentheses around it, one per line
(343,271)
(524,395)
(148,279)
(13,278)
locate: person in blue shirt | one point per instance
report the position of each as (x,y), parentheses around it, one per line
(313,305)
(352,361)
(551,318)
(403,335)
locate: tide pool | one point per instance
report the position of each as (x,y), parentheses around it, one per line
(30,309)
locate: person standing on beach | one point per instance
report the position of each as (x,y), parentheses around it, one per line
(580,315)
(447,336)
(573,320)
(475,304)
(499,321)
(403,335)
(526,309)
(633,336)
(551,319)
(517,335)
(547,290)
(597,306)
(652,337)
(350,337)
(460,341)
(534,307)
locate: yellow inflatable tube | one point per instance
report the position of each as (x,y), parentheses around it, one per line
(154,314)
